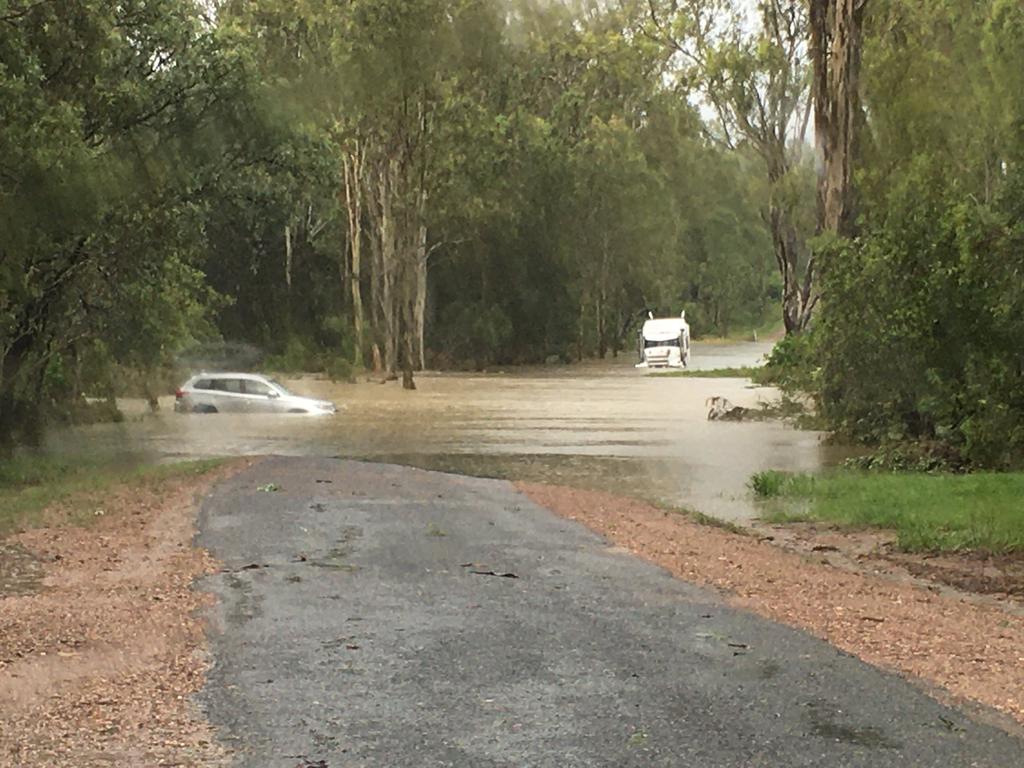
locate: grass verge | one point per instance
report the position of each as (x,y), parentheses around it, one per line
(713,373)
(31,484)
(928,512)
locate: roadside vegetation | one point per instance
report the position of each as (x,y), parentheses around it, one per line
(977,512)
(712,373)
(916,346)
(73,488)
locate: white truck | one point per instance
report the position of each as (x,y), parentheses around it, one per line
(664,342)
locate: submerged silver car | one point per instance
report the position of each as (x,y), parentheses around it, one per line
(243,393)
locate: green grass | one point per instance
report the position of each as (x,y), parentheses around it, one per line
(713,373)
(29,484)
(928,512)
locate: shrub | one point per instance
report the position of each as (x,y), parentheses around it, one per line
(918,338)
(792,365)
(767,484)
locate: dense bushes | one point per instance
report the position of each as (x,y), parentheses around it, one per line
(918,346)
(922,334)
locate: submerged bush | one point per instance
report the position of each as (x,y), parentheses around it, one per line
(772,483)
(768,484)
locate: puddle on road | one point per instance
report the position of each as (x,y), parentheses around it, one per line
(598,425)
(825,723)
(21,572)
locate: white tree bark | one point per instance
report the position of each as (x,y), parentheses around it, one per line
(352,161)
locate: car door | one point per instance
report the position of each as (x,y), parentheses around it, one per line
(230,395)
(260,397)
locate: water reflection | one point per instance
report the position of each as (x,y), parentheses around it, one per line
(598,425)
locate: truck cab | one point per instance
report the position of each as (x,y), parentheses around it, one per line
(664,342)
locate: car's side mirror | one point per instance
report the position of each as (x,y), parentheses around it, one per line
(273,395)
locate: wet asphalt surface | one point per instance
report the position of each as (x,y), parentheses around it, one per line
(359,624)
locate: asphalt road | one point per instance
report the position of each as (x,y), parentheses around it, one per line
(358,626)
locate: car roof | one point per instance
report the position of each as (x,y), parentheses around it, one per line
(229,375)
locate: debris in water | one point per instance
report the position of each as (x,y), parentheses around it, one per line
(720,409)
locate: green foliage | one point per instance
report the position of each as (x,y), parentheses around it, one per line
(928,512)
(910,457)
(772,483)
(767,484)
(106,111)
(918,337)
(921,338)
(792,364)
(475,333)
(298,356)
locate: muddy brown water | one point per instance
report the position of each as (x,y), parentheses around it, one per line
(600,425)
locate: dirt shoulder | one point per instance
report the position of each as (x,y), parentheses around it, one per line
(97,664)
(974,651)
(979,577)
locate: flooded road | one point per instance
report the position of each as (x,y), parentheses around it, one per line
(599,425)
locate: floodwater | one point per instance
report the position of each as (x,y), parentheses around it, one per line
(599,425)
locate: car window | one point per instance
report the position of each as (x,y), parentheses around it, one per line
(228,385)
(203,384)
(253,387)
(281,387)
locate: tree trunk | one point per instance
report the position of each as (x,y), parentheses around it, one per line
(408,331)
(420,280)
(20,415)
(798,297)
(579,332)
(288,256)
(602,300)
(385,259)
(836,40)
(353,171)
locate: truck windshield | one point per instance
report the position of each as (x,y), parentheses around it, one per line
(667,343)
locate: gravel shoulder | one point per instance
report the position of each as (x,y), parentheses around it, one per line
(962,649)
(102,647)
